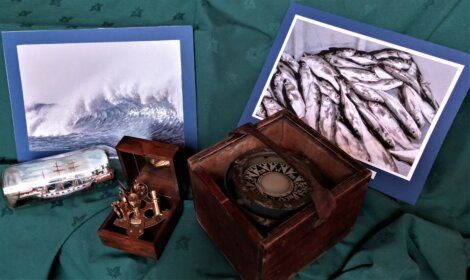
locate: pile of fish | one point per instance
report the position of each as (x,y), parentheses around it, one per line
(373,105)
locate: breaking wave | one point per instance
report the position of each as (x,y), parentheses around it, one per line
(103,119)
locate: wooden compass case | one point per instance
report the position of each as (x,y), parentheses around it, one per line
(300,239)
(135,156)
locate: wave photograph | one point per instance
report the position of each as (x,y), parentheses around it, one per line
(92,94)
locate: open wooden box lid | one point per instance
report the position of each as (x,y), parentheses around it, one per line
(140,160)
(136,157)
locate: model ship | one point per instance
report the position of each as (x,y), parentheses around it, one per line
(56,176)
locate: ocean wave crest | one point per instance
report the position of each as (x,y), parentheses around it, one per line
(102,120)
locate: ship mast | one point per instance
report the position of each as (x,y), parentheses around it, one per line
(57,168)
(71,167)
(60,185)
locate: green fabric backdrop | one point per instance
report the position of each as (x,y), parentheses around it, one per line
(390,240)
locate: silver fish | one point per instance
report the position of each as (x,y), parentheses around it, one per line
(403,76)
(387,53)
(382,74)
(350,112)
(271,106)
(339,61)
(354,74)
(371,120)
(427,94)
(327,89)
(398,63)
(295,98)
(407,156)
(413,70)
(426,109)
(364,54)
(287,73)
(277,87)
(261,112)
(349,143)
(306,79)
(290,60)
(321,68)
(382,84)
(388,121)
(363,60)
(344,52)
(409,97)
(269,93)
(378,154)
(367,93)
(312,106)
(327,118)
(401,114)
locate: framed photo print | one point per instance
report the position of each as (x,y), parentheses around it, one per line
(75,88)
(386,99)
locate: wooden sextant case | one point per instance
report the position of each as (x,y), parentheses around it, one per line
(302,237)
(136,157)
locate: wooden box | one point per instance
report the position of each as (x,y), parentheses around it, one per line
(135,156)
(301,238)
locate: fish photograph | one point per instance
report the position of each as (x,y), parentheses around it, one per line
(377,101)
(81,94)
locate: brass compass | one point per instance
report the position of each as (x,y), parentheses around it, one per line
(265,185)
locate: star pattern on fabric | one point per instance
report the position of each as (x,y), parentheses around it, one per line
(107,24)
(65,19)
(385,236)
(57,203)
(273,27)
(137,12)
(24,13)
(6,211)
(26,25)
(252,54)
(451,213)
(78,219)
(114,272)
(96,7)
(249,4)
(428,4)
(55,3)
(214,45)
(231,78)
(182,243)
(178,16)
(367,9)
